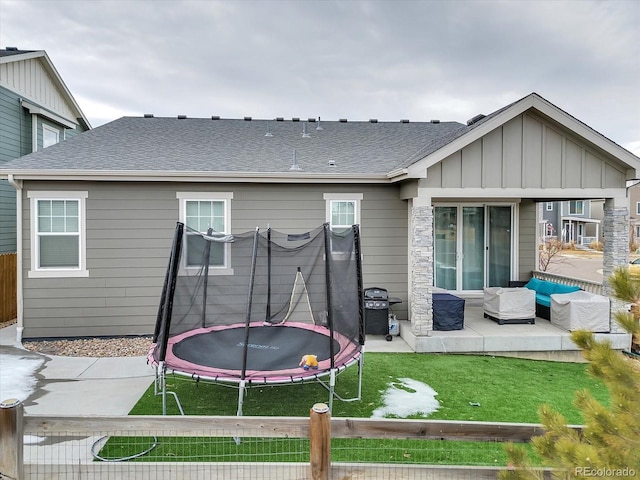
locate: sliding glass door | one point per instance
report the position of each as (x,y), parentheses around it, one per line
(473,246)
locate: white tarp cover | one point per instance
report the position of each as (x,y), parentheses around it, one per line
(580,311)
(510,303)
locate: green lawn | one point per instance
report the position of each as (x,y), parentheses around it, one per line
(506,389)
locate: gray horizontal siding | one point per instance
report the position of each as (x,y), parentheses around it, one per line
(129,233)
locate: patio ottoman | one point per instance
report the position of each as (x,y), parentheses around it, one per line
(510,305)
(448,312)
(580,311)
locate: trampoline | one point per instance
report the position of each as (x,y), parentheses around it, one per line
(285,296)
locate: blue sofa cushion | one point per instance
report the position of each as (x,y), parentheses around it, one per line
(533,284)
(543,300)
(565,288)
(546,288)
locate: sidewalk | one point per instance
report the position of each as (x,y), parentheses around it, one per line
(77,385)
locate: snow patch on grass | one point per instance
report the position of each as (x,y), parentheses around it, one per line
(406,397)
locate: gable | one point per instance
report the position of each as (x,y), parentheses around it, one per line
(528,151)
(32,76)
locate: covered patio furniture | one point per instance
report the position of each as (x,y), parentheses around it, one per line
(448,312)
(510,305)
(580,311)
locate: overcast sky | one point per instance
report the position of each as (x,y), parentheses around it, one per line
(389,60)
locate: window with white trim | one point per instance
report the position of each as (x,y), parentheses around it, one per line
(50,136)
(58,234)
(342,210)
(637,232)
(201,212)
(576,207)
(549,206)
(637,208)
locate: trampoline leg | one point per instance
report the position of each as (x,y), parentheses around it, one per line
(241,389)
(332,388)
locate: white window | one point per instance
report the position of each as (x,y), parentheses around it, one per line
(201,212)
(343,210)
(50,136)
(637,208)
(637,231)
(576,207)
(549,206)
(58,234)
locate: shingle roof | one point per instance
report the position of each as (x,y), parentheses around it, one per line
(10,51)
(236,145)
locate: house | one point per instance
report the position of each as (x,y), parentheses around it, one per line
(36,110)
(440,204)
(634,214)
(573,221)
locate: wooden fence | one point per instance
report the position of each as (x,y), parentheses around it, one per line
(319,428)
(8,286)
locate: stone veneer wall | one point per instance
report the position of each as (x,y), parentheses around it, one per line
(615,227)
(422,270)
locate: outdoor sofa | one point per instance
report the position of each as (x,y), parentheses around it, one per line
(544,289)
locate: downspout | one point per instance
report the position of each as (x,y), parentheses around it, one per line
(17,184)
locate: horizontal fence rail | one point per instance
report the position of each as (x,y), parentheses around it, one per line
(174,447)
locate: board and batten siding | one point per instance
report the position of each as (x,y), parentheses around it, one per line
(527,152)
(130,229)
(30,79)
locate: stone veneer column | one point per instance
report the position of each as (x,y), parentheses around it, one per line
(615,228)
(421,267)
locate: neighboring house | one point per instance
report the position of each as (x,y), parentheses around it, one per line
(577,221)
(36,111)
(440,204)
(634,213)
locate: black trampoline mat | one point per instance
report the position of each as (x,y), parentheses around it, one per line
(271,348)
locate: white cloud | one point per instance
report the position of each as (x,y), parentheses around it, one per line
(355,59)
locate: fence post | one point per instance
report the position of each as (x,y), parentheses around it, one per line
(11,439)
(320,441)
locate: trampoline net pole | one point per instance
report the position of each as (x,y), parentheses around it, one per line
(268,311)
(165,286)
(252,276)
(207,257)
(168,300)
(358,255)
(327,263)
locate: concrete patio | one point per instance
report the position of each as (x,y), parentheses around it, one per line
(481,335)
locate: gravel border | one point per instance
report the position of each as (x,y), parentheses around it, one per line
(92,347)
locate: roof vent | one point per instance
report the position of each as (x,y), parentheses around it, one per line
(305,134)
(294,163)
(373,120)
(475,119)
(11,49)
(404,120)
(182,117)
(279,119)
(295,119)
(247,119)
(311,120)
(331,163)
(215,117)
(343,120)
(435,121)
(319,127)
(148,115)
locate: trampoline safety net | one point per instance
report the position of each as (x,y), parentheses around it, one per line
(247,287)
